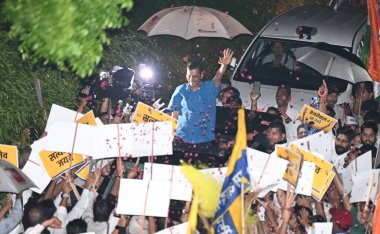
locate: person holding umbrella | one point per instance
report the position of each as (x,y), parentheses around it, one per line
(194,105)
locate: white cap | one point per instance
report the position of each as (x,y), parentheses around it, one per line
(349,120)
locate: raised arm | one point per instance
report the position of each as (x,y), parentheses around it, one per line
(322,92)
(227,56)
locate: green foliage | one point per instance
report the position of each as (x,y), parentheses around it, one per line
(68,33)
(19,107)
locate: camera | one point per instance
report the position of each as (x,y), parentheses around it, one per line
(120,83)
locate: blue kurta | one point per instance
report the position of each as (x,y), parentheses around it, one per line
(197,112)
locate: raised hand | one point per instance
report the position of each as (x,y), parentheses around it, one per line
(323,91)
(227,57)
(53,223)
(304,218)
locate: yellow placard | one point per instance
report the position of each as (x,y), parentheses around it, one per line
(322,168)
(84,171)
(146,114)
(88,118)
(316,119)
(56,163)
(294,166)
(320,195)
(9,153)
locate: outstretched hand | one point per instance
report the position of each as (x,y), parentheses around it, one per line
(53,223)
(323,91)
(227,57)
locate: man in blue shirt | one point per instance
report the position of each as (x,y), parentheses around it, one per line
(194,103)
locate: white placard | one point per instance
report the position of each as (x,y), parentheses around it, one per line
(305,179)
(360,184)
(136,140)
(61,114)
(61,138)
(265,169)
(320,143)
(339,163)
(178,229)
(180,187)
(361,163)
(137,196)
(322,228)
(34,168)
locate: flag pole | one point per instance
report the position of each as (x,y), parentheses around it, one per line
(242,206)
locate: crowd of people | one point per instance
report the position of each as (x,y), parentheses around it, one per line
(67,207)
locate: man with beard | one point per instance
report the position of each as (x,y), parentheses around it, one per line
(343,139)
(368,133)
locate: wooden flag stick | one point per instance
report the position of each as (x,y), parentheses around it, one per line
(242,207)
(369,191)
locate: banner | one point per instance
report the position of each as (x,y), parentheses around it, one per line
(9,153)
(293,170)
(56,163)
(316,119)
(146,114)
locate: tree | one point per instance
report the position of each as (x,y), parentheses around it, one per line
(69,34)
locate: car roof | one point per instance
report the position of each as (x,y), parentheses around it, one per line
(333,27)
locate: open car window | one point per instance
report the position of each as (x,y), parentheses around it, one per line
(274,62)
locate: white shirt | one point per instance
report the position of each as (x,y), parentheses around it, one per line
(88,216)
(75,213)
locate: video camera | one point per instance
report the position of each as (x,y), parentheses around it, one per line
(120,82)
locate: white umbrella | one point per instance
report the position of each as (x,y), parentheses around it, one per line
(192,21)
(331,64)
(13,180)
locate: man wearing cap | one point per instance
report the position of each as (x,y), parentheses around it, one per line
(352,123)
(341,219)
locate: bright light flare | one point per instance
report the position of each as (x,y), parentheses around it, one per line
(146,72)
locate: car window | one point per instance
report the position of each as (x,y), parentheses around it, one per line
(274,62)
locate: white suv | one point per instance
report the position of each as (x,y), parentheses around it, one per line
(270,58)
